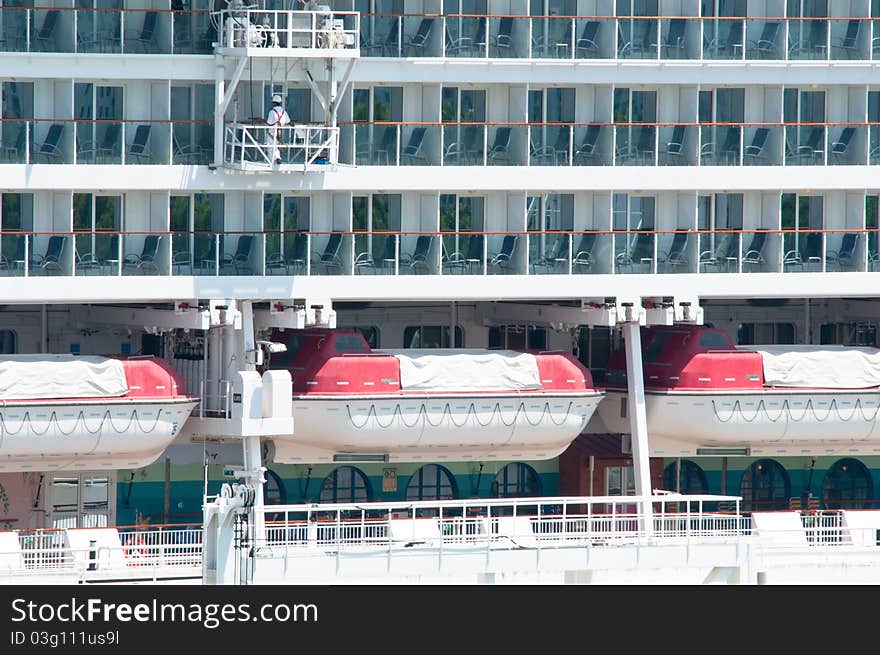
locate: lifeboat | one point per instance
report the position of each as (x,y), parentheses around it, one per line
(704,395)
(87,412)
(350,402)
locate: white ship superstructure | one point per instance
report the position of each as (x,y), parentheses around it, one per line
(544,176)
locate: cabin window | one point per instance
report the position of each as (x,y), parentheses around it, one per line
(431,482)
(516,480)
(346,484)
(714,340)
(656,347)
(848,485)
(275,492)
(82,500)
(765,485)
(691,478)
(431,336)
(518,337)
(749,334)
(849,334)
(7,342)
(349,343)
(595,345)
(370,333)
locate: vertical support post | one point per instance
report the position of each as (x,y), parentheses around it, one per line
(808,322)
(638,422)
(166,501)
(219,104)
(214,373)
(44,329)
(253,464)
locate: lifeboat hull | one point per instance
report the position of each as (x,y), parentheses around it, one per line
(794,421)
(54,435)
(442,427)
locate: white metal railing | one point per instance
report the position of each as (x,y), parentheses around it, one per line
(265,145)
(215,399)
(320,30)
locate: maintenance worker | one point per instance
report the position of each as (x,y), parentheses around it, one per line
(276,119)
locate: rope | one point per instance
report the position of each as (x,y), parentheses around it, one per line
(788,413)
(447,416)
(54,422)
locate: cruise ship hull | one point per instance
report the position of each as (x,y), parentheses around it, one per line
(449,427)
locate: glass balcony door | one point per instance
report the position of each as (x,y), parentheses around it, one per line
(803,239)
(635,113)
(462,250)
(463,144)
(376,223)
(378,144)
(804,115)
(98,111)
(722,112)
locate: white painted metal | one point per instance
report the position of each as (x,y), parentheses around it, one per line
(638,423)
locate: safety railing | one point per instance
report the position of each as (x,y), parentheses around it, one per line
(264,146)
(106,141)
(112,31)
(587,37)
(831,143)
(292,31)
(573,252)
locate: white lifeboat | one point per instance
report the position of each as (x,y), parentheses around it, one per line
(65,411)
(703,395)
(428,405)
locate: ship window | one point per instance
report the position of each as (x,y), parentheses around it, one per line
(713,340)
(655,348)
(370,333)
(849,334)
(516,480)
(346,484)
(431,482)
(349,343)
(691,479)
(275,492)
(518,337)
(847,485)
(7,342)
(431,336)
(765,486)
(749,334)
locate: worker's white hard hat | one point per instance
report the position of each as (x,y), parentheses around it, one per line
(276,98)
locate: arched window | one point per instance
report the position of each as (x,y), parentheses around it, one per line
(346,484)
(692,478)
(765,486)
(274,493)
(516,480)
(847,485)
(431,482)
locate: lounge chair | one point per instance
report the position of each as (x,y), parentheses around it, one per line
(754,152)
(639,251)
(503,260)
(554,256)
(810,254)
(840,147)
(677,254)
(50,148)
(329,258)
(51,261)
(675,146)
(674,39)
(146,38)
(240,260)
(138,149)
(106,150)
(729,47)
(722,255)
(412,152)
(44,38)
(387,46)
(146,260)
(419,41)
(765,47)
(846,254)
(586,151)
(588,42)
(583,257)
(501,145)
(364,262)
(753,255)
(849,42)
(418,260)
(503,41)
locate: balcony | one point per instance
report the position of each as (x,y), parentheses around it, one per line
(260,33)
(109,31)
(122,142)
(610,144)
(341,253)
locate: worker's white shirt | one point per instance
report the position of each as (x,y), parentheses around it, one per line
(277,116)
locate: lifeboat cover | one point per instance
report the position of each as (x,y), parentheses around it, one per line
(460,369)
(25,377)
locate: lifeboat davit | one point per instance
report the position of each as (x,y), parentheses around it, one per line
(87,412)
(350,402)
(704,395)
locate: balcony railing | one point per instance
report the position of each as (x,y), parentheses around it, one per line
(128,31)
(293,31)
(593,252)
(610,144)
(262,146)
(53,141)
(622,37)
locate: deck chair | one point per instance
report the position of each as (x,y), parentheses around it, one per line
(388,149)
(146,260)
(839,148)
(51,261)
(107,149)
(86,263)
(419,40)
(299,255)
(329,258)
(674,39)
(753,255)
(50,149)
(644,152)
(452,263)
(754,152)
(366,263)
(845,255)
(412,152)
(730,44)
(765,46)
(730,148)
(501,145)
(468,44)
(240,260)
(811,145)
(44,38)
(588,41)
(503,41)
(586,151)
(849,42)
(639,250)
(9,264)
(503,259)
(813,43)
(675,146)
(582,260)
(145,38)
(418,259)
(811,253)
(721,255)
(138,149)
(15,153)
(387,46)
(555,255)
(677,254)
